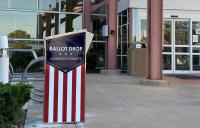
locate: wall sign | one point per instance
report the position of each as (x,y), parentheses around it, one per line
(66,52)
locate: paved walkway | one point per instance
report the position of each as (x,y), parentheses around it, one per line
(120,102)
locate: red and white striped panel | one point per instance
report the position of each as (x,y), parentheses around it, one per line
(64,97)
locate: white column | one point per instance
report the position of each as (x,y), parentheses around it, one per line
(4,60)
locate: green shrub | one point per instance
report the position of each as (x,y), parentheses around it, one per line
(12,98)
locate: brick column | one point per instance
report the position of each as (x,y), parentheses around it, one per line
(112,38)
(155,16)
(87,14)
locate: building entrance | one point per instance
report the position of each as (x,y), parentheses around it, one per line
(176,47)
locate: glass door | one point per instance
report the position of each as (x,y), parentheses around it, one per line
(176,47)
(181,46)
(167,46)
(195,46)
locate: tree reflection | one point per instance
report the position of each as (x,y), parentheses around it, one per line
(19,34)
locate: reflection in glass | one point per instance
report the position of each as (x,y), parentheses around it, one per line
(182,62)
(19,4)
(48,24)
(124,34)
(72,6)
(167,32)
(26,21)
(123,40)
(49,5)
(143,33)
(97,24)
(167,62)
(96,57)
(70,22)
(182,49)
(124,63)
(167,49)
(20,60)
(124,48)
(119,19)
(3,4)
(124,17)
(196,49)
(18,24)
(119,49)
(182,32)
(196,62)
(119,62)
(119,41)
(23,4)
(7,22)
(196,33)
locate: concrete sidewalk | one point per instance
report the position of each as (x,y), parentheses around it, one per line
(120,102)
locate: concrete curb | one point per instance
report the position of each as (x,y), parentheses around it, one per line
(148,82)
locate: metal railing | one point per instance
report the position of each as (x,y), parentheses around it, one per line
(26,76)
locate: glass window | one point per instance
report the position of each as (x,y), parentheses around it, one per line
(72,6)
(49,24)
(20,59)
(124,17)
(3,3)
(18,24)
(119,41)
(167,62)
(119,65)
(97,24)
(49,5)
(182,33)
(196,33)
(25,44)
(23,4)
(124,33)
(182,62)
(196,49)
(119,19)
(7,22)
(119,49)
(143,33)
(167,49)
(122,40)
(96,57)
(196,62)
(124,63)
(167,32)
(124,48)
(27,22)
(70,22)
(182,49)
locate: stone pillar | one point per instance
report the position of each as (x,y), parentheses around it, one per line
(87,14)
(112,38)
(155,19)
(130,20)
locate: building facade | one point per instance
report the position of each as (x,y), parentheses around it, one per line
(181,39)
(28,22)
